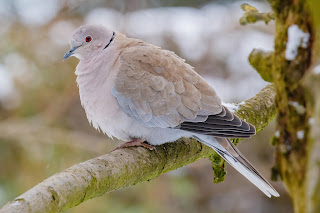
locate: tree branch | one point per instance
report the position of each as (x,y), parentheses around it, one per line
(262,63)
(126,167)
(252,15)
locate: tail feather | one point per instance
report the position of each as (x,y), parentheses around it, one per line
(233,156)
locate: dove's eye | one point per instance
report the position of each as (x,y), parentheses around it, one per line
(88,38)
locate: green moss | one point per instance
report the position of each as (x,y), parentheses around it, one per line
(275,173)
(274,141)
(218,166)
(259,115)
(235,141)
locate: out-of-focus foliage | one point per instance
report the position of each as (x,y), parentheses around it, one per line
(43,128)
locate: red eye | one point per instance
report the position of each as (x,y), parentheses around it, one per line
(88,38)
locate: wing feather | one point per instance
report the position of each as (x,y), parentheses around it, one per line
(158,88)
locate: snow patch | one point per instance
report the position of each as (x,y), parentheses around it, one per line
(300,134)
(299,108)
(296,38)
(316,69)
(311,121)
(232,106)
(16,203)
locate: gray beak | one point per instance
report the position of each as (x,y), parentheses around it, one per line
(70,52)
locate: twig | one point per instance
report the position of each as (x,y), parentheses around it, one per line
(252,15)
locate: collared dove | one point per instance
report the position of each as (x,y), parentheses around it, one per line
(136,91)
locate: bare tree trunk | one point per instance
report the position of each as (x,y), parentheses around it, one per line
(297,161)
(312,81)
(294,110)
(313,149)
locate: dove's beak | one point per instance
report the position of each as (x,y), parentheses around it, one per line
(70,52)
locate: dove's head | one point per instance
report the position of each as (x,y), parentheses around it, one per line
(89,40)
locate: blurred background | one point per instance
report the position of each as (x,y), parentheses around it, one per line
(44,130)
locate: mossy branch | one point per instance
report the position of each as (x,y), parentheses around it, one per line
(252,15)
(262,62)
(127,167)
(260,114)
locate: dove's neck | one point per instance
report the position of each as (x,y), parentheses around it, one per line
(95,77)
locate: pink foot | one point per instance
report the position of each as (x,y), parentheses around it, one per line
(136,142)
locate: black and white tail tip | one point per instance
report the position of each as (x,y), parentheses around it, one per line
(232,155)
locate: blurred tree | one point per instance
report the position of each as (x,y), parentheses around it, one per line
(297,98)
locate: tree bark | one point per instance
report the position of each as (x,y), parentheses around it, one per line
(312,81)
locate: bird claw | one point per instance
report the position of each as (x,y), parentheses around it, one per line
(136,143)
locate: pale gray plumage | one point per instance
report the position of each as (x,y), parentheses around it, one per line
(131,89)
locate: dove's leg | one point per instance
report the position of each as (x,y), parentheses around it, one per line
(136,142)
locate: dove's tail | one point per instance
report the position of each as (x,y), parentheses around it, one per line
(233,156)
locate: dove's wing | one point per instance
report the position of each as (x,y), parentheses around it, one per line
(158,89)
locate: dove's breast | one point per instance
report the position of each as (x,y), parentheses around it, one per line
(101,107)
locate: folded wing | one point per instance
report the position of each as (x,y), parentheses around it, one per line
(158,89)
